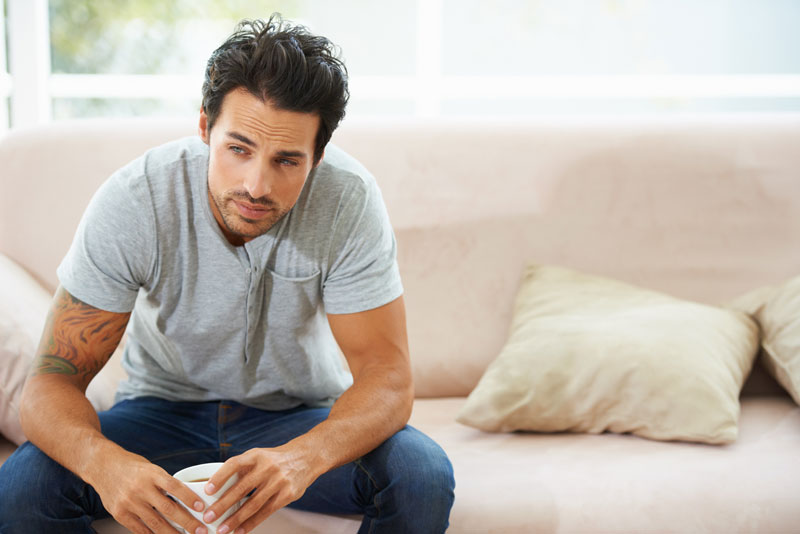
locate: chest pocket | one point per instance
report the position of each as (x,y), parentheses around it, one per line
(283,330)
(290,303)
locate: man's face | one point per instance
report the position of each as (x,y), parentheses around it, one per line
(259,159)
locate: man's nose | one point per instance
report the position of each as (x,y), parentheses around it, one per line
(258,182)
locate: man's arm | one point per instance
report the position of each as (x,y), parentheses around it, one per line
(56,416)
(378,404)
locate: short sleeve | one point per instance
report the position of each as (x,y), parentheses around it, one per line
(363,272)
(112,253)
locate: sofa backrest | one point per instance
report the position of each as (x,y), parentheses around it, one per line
(702,207)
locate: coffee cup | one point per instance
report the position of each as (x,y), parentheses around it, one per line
(195,478)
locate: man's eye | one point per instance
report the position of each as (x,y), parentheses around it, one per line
(237,149)
(284,161)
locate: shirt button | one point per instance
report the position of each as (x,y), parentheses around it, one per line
(248,271)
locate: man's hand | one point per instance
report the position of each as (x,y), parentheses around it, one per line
(279,476)
(133,490)
(375,407)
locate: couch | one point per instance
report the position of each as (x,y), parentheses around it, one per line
(704,208)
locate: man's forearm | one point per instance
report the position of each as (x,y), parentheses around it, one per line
(379,403)
(376,406)
(58,418)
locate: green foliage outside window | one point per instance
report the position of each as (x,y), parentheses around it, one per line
(142,37)
(145,36)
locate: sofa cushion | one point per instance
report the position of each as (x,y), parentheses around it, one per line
(585,483)
(23,311)
(591,354)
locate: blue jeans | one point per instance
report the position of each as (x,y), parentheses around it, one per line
(405,485)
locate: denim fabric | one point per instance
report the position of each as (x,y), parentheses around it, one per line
(405,485)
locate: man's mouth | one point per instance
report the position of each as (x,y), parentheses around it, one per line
(251,211)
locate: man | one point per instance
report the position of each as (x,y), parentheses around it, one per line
(234,260)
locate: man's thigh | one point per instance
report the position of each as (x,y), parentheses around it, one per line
(172,435)
(405,461)
(37,490)
(242,428)
(408,469)
(248,428)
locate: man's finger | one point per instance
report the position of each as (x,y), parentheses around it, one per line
(256,506)
(260,516)
(222,475)
(132,523)
(233,495)
(155,521)
(181,491)
(173,510)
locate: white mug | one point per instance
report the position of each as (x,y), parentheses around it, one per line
(195,478)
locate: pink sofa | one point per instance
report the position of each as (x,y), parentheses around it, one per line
(700,207)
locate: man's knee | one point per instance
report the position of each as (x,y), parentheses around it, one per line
(32,486)
(20,478)
(417,462)
(418,490)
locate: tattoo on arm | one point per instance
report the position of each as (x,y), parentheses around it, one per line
(78,338)
(47,364)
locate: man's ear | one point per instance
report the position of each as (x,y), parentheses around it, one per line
(202,127)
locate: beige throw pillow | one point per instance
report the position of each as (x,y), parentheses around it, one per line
(24,305)
(779,319)
(590,354)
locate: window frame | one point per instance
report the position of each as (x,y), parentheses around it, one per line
(30,86)
(5,77)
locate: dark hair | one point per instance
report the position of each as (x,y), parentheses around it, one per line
(285,64)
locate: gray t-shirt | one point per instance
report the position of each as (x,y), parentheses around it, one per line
(214,321)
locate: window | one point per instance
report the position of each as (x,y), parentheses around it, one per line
(148,56)
(430,58)
(5,79)
(620,56)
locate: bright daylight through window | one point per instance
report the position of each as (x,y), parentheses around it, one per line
(90,58)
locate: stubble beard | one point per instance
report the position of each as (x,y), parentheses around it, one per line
(241,226)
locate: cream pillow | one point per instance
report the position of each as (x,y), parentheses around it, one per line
(24,305)
(23,310)
(779,319)
(590,354)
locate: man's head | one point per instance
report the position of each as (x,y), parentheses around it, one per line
(284,64)
(272,97)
